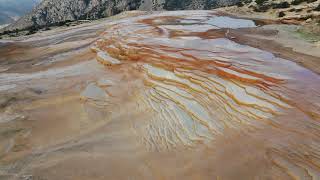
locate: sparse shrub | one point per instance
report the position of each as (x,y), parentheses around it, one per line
(240,4)
(311,1)
(307,17)
(281,14)
(280,5)
(296,2)
(86,2)
(32,30)
(261,8)
(260,2)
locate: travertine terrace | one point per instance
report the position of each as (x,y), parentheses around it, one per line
(171,95)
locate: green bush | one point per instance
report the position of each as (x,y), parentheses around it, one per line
(297,2)
(281,5)
(247,1)
(239,4)
(260,2)
(281,14)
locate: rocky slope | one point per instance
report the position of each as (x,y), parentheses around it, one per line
(286,11)
(51,12)
(299,18)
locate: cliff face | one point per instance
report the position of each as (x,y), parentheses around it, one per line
(56,11)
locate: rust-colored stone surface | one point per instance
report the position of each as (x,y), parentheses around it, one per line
(169,96)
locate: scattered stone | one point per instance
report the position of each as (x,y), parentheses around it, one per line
(7,117)
(27,177)
(305,17)
(308,20)
(37,90)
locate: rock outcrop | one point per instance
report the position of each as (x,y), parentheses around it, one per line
(288,11)
(52,12)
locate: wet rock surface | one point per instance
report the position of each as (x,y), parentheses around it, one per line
(184,100)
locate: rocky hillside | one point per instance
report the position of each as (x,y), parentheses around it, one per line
(304,13)
(288,11)
(51,12)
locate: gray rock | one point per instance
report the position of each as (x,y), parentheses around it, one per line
(57,12)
